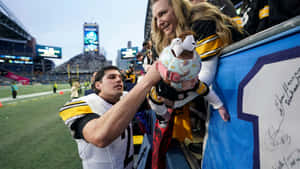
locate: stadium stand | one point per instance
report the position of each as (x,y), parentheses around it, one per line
(16,41)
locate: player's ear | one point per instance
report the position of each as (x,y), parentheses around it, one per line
(98,85)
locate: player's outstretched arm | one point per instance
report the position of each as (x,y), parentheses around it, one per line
(102,131)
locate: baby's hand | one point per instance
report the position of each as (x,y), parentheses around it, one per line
(224,114)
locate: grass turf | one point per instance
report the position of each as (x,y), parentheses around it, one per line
(33,135)
(5,91)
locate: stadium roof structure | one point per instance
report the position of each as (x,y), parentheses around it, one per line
(10,27)
(87,63)
(147,28)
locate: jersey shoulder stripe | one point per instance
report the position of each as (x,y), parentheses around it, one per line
(73,109)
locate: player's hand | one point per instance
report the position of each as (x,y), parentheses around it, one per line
(147,67)
(224,114)
(153,74)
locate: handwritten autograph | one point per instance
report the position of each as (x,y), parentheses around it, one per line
(290,161)
(282,101)
(275,138)
(289,88)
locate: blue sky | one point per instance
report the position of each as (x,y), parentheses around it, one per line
(60,23)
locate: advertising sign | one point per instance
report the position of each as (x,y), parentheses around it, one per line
(129,53)
(16,59)
(91,38)
(48,51)
(23,80)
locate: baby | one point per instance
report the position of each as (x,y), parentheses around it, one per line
(179,66)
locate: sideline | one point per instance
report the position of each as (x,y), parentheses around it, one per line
(7,99)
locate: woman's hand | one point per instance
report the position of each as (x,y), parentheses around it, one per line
(224,114)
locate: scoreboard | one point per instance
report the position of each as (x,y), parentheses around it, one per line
(16,59)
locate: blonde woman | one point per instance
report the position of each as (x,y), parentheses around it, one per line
(74,90)
(213,31)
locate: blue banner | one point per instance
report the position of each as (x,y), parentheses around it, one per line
(259,87)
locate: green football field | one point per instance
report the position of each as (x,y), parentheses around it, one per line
(34,137)
(5,91)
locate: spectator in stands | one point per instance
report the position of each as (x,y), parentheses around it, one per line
(86,85)
(213,30)
(123,75)
(131,78)
(14,90)
(79,89)
(261,14)
(54,87)
(140,57)
(89,91)
(145,46)
(149,54)
(100,122)
(226,6)
(148,60)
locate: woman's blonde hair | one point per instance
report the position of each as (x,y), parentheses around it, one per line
(207,11)
(181,11)
(186,13)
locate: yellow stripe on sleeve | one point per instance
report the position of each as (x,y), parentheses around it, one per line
(264,12)
(209,46)
(75,111)
(202,89)
(73,103)
(238,20)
